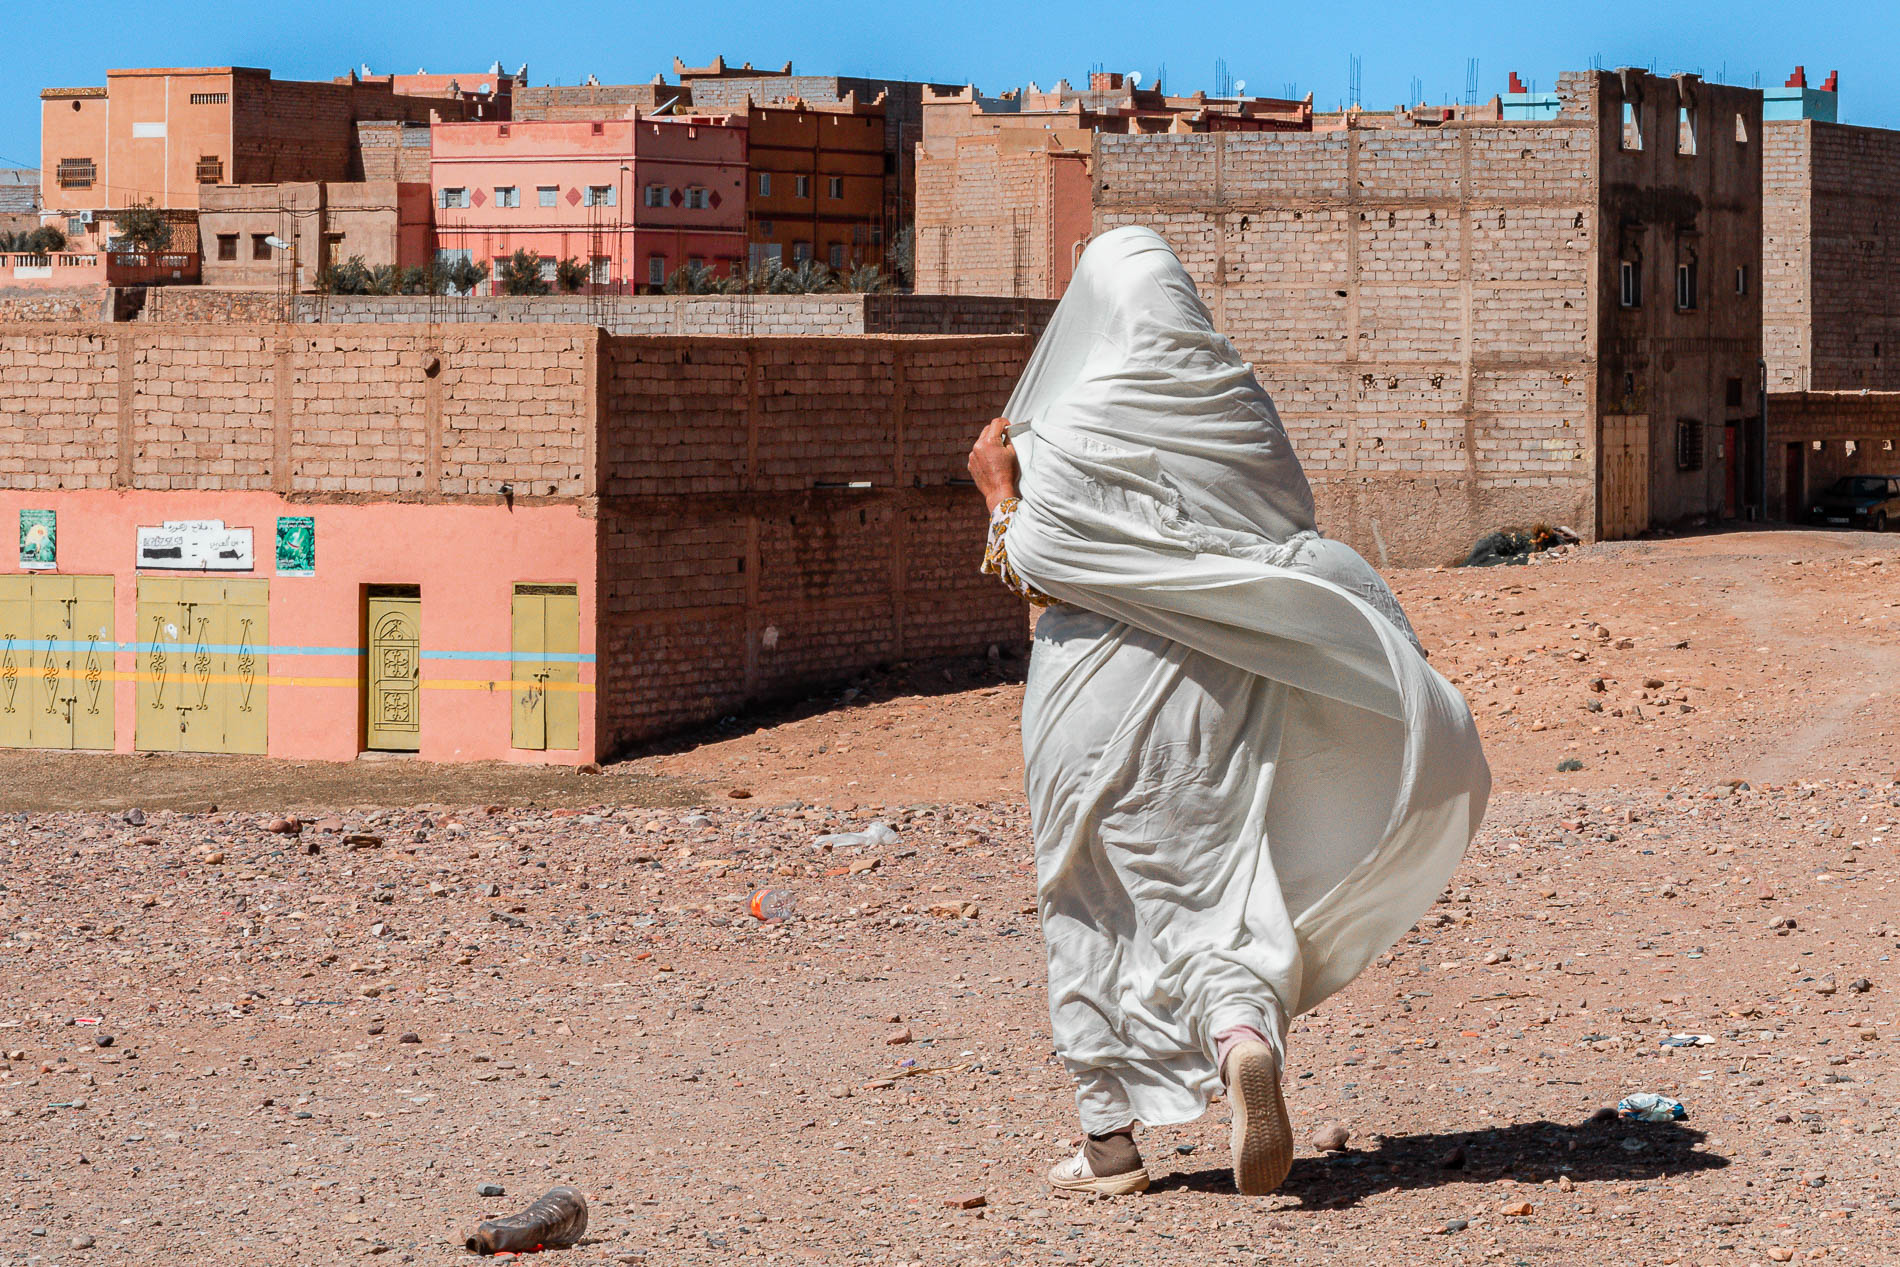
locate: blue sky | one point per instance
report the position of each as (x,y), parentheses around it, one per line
(995,43)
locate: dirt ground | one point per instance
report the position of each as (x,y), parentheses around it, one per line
(256,1047)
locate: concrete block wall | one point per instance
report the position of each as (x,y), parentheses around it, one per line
(1417,303)
(1815,437)
(338,413)
(776,513)
(843,314)
(33,303)
(1830,267)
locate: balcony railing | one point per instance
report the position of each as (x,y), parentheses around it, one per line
(101,268)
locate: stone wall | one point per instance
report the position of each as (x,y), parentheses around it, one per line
(1786,253)
(33,303)
(1416,302)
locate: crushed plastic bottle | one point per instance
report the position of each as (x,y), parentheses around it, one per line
(556,1220)
(1647,1106)
(768,905)
(876,833)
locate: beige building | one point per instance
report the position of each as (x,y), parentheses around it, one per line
(321,223)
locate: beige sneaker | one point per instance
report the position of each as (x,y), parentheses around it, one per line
(1075,1175)
(1263,1137)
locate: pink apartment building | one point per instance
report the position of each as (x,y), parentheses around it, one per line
(634,198)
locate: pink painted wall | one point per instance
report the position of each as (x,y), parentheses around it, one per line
(465,558)
(677,153)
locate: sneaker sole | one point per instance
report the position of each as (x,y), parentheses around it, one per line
(1263,1136)
(1106,1185)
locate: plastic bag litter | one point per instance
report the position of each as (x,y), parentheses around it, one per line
(1647,1106)
(876,833)
(1689,1040)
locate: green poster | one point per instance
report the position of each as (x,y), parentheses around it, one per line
(39,542)
(296,546)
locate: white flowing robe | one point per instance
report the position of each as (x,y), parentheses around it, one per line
(1244,779)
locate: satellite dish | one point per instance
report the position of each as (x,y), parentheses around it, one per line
(1240,87)
(1134,79)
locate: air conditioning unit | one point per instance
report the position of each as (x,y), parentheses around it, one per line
(85,217)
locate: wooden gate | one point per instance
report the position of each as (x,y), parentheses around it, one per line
(1623,477)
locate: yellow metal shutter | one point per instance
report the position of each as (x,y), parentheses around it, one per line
(16,636)
(528,689)
(242,666)
(93,662)
(562,643)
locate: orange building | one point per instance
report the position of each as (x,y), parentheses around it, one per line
(159,135)
(816,188)
(633,198)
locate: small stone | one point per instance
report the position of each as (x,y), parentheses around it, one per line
(213,857)
(974,1201)
(410,1037)
(82,1241)
(1565,1184)
(1516,1209)
(303,1115)
(1779,1254)
(1826,985)
(310,847)
(376,1029)
(1860,985)
(863,865)
(363,840)
(1457,1225)
(1329,1137)
(740,794)
(1453,1160)
(284,826)
(897,1037)
(491,1190)
(1497,956)
(103,1040)
(136,817)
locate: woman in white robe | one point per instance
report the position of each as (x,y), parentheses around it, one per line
(1245,781)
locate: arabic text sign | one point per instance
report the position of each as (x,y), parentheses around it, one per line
(199,545)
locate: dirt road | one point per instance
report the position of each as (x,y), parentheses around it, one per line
(872,1081)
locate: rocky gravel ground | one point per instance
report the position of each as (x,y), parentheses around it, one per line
(316,1030)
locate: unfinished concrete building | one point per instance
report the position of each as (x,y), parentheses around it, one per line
(1003,182)
(1487,323)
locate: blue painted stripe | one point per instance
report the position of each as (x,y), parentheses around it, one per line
(148,648)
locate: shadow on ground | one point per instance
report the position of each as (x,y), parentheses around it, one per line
(1530,1152)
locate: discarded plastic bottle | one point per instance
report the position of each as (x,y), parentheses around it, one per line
(556,1220)
(772,904)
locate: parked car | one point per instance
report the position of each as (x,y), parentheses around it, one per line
(1859,501)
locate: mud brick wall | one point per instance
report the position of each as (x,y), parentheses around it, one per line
(776,513)
(1417,302)
(1830,267)
(294,130)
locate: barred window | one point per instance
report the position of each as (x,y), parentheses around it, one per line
(210,169)
(1688,444)
(210,98)
(76,173)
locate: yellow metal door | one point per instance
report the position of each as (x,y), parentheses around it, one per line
(395,672)
(92,662)
(16,637)
(562,666)
(529,728)
(158,660)
(53,695)
(71,645)
(242,667)
(202,664)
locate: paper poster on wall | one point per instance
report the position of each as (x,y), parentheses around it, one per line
(296,545)
(39,542)
(196,545)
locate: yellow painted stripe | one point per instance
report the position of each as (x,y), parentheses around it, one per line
(29,676)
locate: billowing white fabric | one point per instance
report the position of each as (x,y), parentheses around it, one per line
(1244,779)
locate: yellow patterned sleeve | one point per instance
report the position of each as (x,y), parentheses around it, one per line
(996,554)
